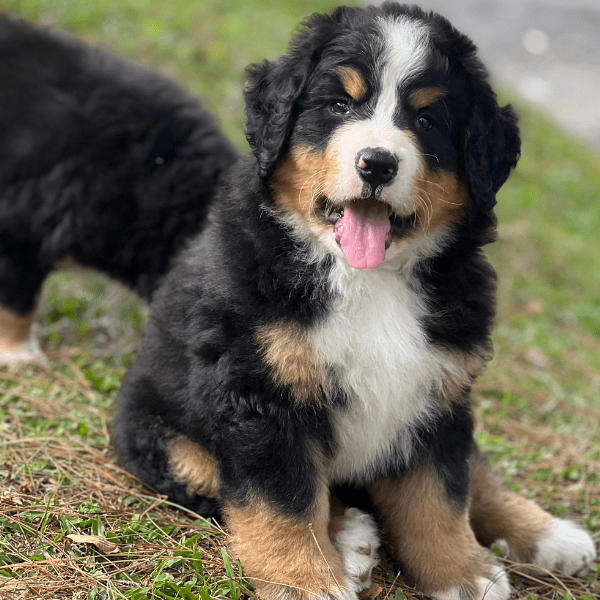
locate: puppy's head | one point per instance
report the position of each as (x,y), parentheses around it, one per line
(377,129)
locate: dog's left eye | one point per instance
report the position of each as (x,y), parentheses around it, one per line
(339,107)
(424,123)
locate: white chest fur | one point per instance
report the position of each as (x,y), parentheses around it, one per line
(377,351)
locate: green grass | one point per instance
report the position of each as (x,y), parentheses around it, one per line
(545,378)
(537,404)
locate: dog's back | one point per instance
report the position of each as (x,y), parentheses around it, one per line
(101,162)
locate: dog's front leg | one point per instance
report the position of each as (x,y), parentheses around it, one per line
(287,554)
(432,539)
(276,501)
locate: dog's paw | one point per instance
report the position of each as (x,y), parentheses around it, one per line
(496,586)
(568,548)
(27,353)
(358,540)
(493,587)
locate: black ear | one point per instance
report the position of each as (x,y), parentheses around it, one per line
(271,93)
(273,88)
(492,147)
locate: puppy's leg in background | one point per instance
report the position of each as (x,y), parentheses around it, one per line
(21,279)
(432,539)
(18,343)
(523,531)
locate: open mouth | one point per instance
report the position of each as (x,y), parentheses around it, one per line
(364,228)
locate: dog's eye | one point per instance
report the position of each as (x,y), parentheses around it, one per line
(424,123)
(339,108)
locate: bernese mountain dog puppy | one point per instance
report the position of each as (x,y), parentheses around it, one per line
(315,346)
(102,164)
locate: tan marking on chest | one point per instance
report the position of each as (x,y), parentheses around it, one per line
(469,367)
(292,360)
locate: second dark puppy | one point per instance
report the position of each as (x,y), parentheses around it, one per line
(102,163)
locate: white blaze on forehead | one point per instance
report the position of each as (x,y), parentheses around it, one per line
(406,44)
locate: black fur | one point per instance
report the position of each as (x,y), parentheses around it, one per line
(101,161)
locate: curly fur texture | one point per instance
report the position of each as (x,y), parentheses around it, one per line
(101,162)
(276,376)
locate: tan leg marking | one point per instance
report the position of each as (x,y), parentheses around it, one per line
(193,466)
(353,83)
(427,96)
(497,513)
(431,538)
(287,556)
(292,359)
(15,329)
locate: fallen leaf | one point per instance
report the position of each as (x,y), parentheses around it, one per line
(372,592)
(101,543)
(25,487)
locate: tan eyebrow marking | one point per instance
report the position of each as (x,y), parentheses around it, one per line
(426,96)
(353,82)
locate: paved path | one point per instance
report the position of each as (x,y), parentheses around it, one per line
(548,51)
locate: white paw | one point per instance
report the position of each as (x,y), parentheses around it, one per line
(358,541)
(28,352)
(568,548)
(493,587)
(496,587)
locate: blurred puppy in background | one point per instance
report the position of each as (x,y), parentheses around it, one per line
(103,164)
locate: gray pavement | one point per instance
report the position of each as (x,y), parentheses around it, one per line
(547,51)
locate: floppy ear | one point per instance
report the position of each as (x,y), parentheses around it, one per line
(270,95)
(492,148)
(273,88)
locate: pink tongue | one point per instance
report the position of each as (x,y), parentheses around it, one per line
(362,232)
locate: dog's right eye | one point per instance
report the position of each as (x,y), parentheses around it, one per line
(339,108)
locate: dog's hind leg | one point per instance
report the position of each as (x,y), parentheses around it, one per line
(192,465)
(167,463)
(523,531)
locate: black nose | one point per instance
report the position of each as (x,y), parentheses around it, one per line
(376,166)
